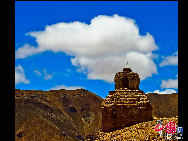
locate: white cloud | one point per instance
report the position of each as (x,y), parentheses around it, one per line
(105,67)
(26,51)
(58,87)
(45,75)
(20,75)
(38,72)
(170,83)
(99,49)
(176,53)
(170,60)
(166,91)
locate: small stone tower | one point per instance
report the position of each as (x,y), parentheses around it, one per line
(127,105)
(127,79)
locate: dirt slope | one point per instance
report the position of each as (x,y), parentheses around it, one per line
(57,115)
(164,105)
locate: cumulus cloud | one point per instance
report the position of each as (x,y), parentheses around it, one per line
(58,87)
(26,50)
(170,83)
(105,67)
(166,91)
(99,49)
(170,60)
(20,75)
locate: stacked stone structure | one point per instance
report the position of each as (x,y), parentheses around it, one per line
(126,105)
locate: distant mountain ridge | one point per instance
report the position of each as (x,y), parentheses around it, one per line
(164,105)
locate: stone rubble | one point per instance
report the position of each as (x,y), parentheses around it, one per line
(139,132)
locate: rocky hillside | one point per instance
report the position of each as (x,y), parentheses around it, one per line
(164,105)
(139,132)
(56,115)
(70,115)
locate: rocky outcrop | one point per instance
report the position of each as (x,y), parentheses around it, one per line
(126,105)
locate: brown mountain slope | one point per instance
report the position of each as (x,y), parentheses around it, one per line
(38,129)
(68,114)
(164,105)
(71,115)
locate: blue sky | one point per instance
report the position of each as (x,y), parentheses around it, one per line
(74,44)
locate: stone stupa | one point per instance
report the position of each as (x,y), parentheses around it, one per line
(126,105)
